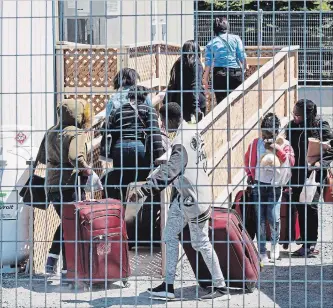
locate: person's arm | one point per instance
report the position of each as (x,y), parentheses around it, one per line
(77,152)
(247,161)
(208,65)
(154,133)
(240,53)
(167,173)
(284,153)
(196,86)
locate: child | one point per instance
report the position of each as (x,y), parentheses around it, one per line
(268,172)
(191,198)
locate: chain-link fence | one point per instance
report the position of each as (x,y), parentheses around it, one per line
(312,31)
(232,201)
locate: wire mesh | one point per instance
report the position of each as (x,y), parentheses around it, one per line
(91,77)
(285,28)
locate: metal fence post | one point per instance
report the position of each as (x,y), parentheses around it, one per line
(260,27)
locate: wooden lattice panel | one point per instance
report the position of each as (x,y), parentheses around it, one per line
(143,60)
(85,67)
(98,101)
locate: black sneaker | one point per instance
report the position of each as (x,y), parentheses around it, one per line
(217,292)
(163,291)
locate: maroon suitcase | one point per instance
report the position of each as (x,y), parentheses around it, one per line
(239,260)
(246,210)
(96,245)
(243,199)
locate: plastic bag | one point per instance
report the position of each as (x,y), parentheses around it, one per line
(309,189)
(93,183)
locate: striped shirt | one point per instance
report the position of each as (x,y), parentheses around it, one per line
(126,125)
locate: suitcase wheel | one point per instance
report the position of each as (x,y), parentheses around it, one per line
(250,286)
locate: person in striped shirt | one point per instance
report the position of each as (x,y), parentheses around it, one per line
(136,138)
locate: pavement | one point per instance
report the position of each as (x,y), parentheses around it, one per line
(291,282)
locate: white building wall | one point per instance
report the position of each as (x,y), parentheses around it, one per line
(27,71)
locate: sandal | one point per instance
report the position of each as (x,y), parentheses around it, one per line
(314,251)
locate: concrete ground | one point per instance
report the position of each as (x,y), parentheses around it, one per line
(291,282)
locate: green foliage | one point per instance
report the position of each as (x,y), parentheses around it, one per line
(273,5)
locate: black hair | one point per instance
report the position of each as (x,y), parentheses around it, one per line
(309,112)
(138,93)
(220,26)
(126,77)
(190,53)
(172,112)
(271,123)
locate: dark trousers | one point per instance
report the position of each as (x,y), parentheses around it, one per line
(130,163)
(57,199)
(308,217)
(225,81)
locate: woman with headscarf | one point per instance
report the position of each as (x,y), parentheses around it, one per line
(306,125)
(185,86)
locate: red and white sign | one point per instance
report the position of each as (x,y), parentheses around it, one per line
(21,137)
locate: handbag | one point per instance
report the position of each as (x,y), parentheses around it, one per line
(33,192)
(328,190)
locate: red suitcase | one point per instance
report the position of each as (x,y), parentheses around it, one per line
(246,210)
(239,259)
(243,198)
(96,245)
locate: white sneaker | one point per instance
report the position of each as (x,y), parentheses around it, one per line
(264,258)
(275,252)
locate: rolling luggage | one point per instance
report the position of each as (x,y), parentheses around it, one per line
(243,198)
(239,259)
(246,210)
(96,245)
(144,228)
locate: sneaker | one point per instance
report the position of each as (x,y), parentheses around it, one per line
(217,292)
(264,258)
(163,291)
(275,252)
(51,265)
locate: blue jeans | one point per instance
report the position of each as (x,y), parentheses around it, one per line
(267,200)
(130,163)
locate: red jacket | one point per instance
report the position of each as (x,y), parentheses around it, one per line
(250,160)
